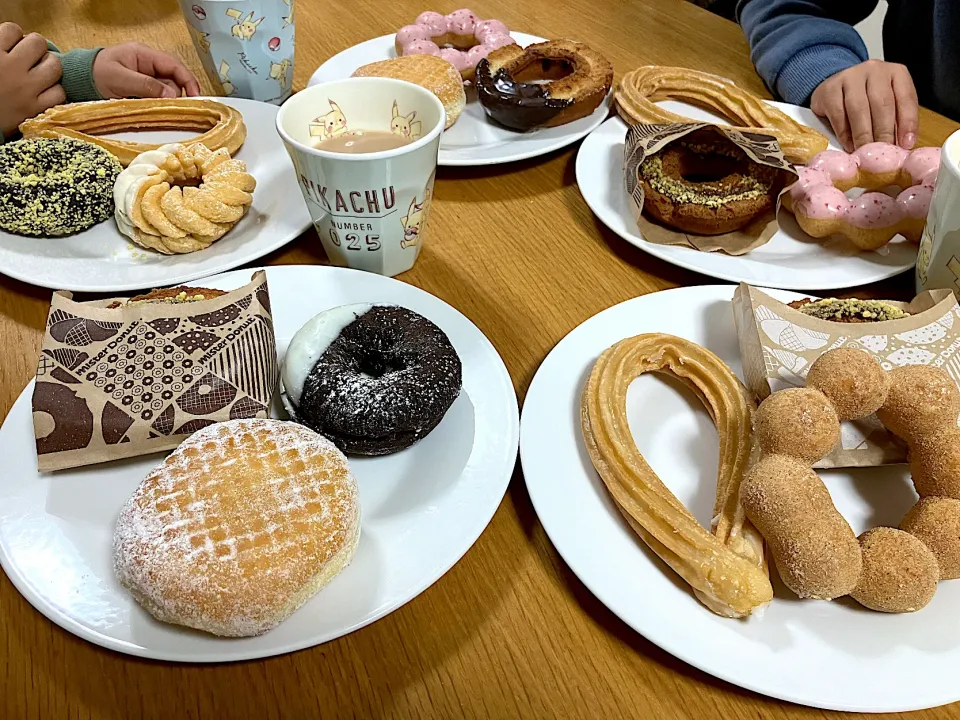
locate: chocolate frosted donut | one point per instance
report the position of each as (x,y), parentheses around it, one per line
(374,379)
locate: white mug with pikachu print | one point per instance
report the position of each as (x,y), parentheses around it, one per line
(370,209)
(245,46)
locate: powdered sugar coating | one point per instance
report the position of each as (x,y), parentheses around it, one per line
(238,527)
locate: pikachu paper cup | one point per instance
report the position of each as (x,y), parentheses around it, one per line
(938,261)
(245,46)
(370,208)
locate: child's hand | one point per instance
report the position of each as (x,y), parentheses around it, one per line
(30,74)
(137,70)
(872,101)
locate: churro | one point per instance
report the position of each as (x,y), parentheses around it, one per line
(640,90)
(726,568)
(221,124)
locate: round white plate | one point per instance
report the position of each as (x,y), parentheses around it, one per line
(474,139)
(422,508)
(791,260)
(834,655)
(101,259)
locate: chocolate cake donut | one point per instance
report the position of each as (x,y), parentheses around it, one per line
(374,379)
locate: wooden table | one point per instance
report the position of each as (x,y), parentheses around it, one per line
(509,631)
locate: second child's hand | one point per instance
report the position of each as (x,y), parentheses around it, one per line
(874,101)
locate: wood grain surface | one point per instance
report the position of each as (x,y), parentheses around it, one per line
(509,632)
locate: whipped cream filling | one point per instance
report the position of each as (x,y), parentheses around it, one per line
(309,344)
(127,188)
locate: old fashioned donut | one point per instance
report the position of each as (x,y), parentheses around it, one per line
(374,379)
(460,38)
(703,184)
(543,85)
(819,202)
(817,555)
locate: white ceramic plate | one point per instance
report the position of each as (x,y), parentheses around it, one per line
(101,259)
(834,655)
(474,139)
(791,260)
(422,508)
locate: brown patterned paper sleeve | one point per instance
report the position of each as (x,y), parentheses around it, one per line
(778,344)
(119,382)
(645,140)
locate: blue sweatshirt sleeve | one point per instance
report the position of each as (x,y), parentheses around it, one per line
(797,44)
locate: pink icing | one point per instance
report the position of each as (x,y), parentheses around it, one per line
(923,164)
(418,39)
(456,58)
(476,54)
(462,22)
(408,33)
(421,47)
(496,40)
(433,21)
(878,158)
(814,195)
(915,201)
(490,27)
(835,164)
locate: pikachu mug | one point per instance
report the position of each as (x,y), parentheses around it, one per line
(245,46)
(370,209)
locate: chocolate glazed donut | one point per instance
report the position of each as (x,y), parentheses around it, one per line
(383,383)
(543,85)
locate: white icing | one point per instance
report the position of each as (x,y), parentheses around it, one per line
(310,342)
(128,183)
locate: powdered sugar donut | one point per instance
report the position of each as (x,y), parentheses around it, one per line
(822,208)
(460,38)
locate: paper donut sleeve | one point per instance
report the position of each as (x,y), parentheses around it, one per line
(119,382)
(778,344)
(647,139)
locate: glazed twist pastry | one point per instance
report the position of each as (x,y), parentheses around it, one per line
(641,89)
(222,126)
(160,207)
(726,568)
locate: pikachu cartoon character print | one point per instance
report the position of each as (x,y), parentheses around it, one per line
(405,125)
(415,219)
(244,29)
(278,72)
(331,125)
(247,46)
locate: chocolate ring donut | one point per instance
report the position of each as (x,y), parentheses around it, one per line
(543,85)
(374,379)
(703,184)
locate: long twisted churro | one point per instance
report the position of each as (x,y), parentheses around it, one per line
(726,568)
(221,124)
(640,89)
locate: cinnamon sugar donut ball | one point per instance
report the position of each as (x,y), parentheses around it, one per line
(799,423)
(935,464)
(921,401)
(852,380)
(816,552)
(899,574)
(936,522)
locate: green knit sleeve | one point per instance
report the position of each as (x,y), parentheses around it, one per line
(77,79)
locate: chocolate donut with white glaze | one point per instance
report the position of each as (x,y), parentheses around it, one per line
(374,379)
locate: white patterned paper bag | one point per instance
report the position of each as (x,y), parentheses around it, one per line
(778,344)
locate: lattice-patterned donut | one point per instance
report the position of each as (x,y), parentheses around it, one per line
(238,527)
